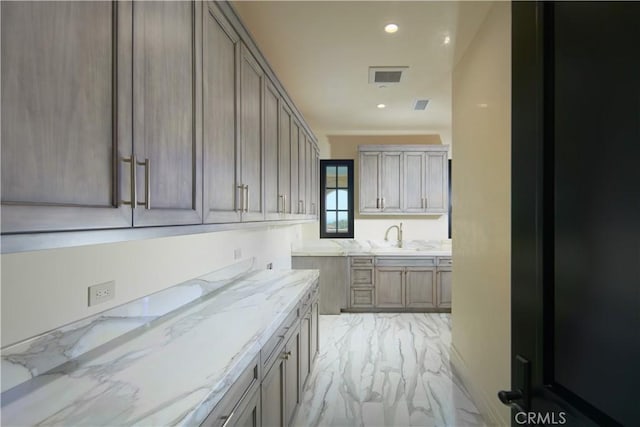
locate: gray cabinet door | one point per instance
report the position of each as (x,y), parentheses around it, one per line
(284,161)
(167,112)
(272,395)
(443,280)
(66,115)
(369,181)
(221,54)
(414,182)
(420,289)
(251,81)
(437,173)
(389,287)
(302,172)
(315,330)
(308,204)
(391,182)
(316,184)
(305,347)
(295,166)
(292,377)
(273,203)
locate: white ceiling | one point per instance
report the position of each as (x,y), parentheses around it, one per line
(321,52)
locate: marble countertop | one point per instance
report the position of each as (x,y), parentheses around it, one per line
(172,370)
(350,247)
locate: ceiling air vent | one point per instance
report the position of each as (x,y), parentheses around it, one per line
(421,104)
(386,75)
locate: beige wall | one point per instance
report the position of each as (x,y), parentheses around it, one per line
(43,290)
(429,227)
(481,218)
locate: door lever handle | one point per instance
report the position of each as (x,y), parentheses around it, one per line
(510,398)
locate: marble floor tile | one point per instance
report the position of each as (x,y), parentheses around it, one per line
(385,369)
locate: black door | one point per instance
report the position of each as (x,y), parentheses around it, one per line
(575,214)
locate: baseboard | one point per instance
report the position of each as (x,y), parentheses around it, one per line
(487,405)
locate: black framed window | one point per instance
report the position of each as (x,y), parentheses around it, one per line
(336,199)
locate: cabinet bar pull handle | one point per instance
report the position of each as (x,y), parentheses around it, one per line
(227,418)
(284,204)
(426,203)
(246,208)
(377,203)
(241,188)
(280,203)
(382,206)
(147,183)
(132,182)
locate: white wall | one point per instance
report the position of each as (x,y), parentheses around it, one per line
(481,313)
(43,290)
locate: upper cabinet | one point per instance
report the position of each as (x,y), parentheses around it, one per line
(127,114)
(403,179)
(220,64)
(66,115)
(251,149)
(166,112)
(284,161)
(272,199)
(381,181)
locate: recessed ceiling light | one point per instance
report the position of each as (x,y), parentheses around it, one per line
(381,106)
(391,28)
(447,40)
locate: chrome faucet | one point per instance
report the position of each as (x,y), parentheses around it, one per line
(386,234)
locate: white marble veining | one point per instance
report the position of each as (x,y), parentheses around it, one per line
(35,356)
(350,247)
(382,369)
(171,371)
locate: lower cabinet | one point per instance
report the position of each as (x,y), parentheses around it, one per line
(399,283)
(269,391)
(390,287)
(273,395)
(291,376)
(443,281)
(241,405)
(405,287)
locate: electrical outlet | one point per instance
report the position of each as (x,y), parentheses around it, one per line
(102,292)
(270,266)
(237,253)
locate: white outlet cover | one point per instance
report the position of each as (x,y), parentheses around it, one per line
(102,292)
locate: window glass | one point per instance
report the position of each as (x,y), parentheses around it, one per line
(336,185)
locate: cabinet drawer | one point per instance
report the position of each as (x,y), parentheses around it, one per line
(362,277)
(362,261)
(277,339)
(362,297)
(445,261)
(243,389)
(405,262)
